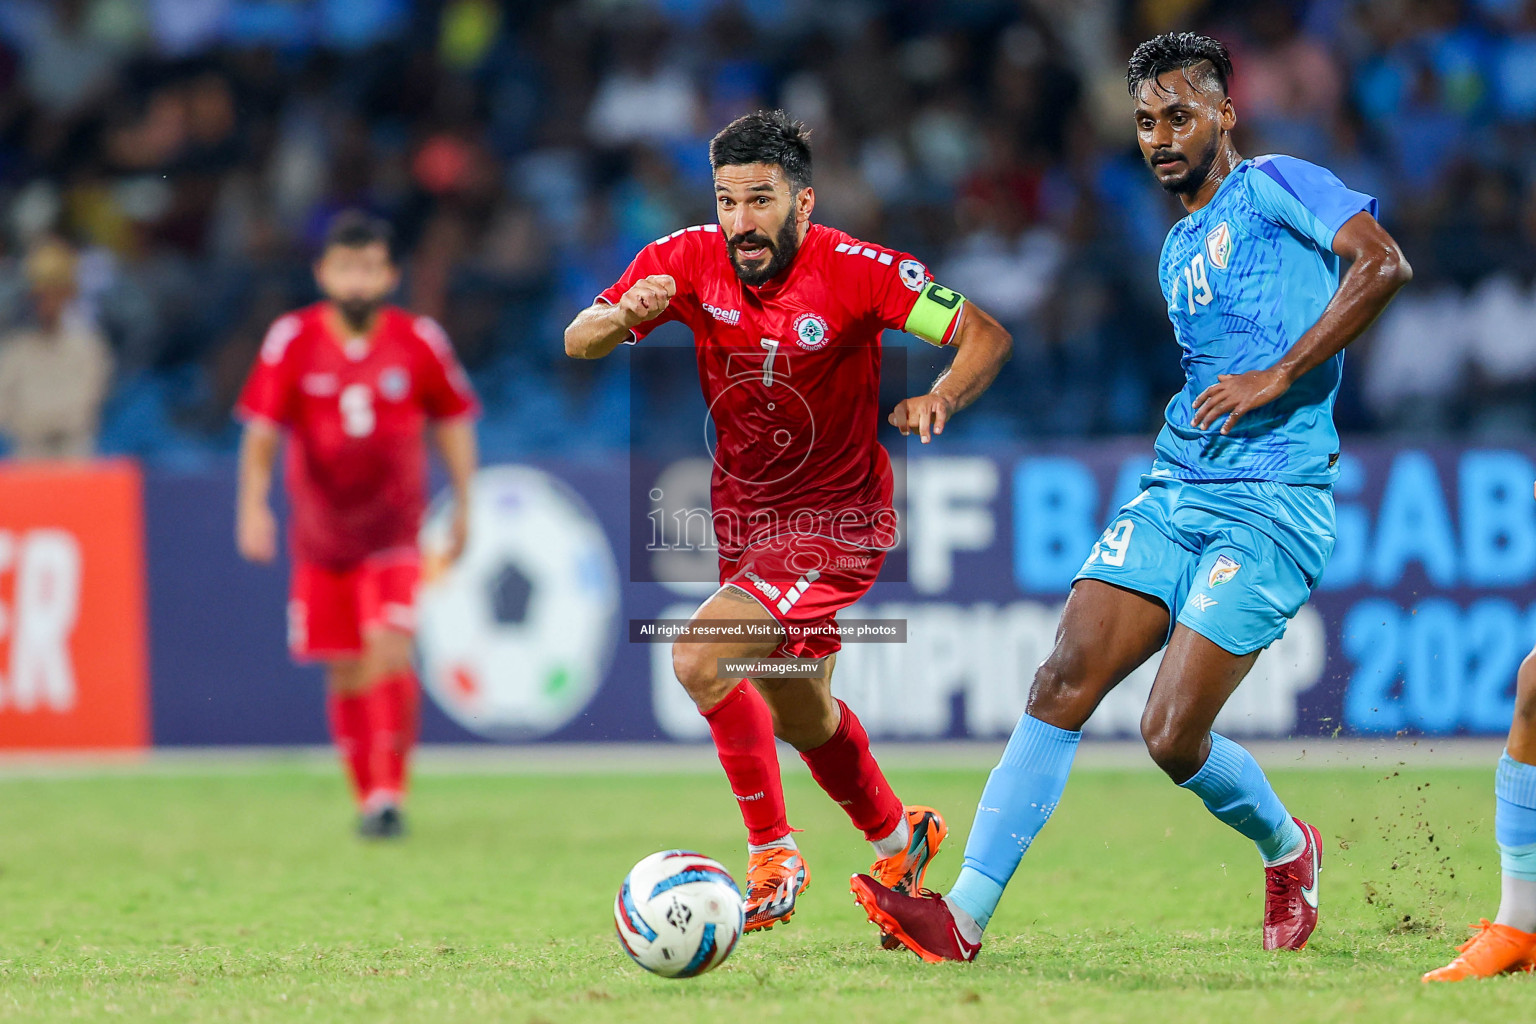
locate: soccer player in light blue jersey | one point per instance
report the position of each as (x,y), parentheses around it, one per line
(1235,521)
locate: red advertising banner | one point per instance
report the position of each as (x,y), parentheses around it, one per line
(73,656)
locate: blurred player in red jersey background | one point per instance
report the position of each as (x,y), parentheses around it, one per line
(354,384)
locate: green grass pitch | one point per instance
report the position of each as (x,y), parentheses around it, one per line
(242,896)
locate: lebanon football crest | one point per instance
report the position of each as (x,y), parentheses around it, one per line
(811,331)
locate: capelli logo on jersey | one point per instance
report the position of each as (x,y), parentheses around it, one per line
(728,316)
(811,332)
(1218,246)
(761,584)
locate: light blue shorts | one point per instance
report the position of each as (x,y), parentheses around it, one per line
(1232,561)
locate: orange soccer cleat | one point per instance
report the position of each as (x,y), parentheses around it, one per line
(903,872)
(774,879)
(1495,949)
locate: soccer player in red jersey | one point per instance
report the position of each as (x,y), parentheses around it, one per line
(787,317)
(354,384)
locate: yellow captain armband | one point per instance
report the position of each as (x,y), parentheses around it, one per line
(935,315)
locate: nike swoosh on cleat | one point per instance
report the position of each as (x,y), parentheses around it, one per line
(1310,895)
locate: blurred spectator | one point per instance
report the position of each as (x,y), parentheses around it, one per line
(54,370)
(1290,89)
(644,98)
(1416,364)
(525,150)
(67,63)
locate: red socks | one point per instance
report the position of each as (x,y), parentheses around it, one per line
(844,767)
(375,731)
(348,714)
(742,728)
(392,719)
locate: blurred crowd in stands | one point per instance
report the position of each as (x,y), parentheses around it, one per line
(167,166)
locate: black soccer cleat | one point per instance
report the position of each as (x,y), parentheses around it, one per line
(385,823)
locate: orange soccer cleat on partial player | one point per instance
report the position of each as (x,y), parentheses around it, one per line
(1495,949)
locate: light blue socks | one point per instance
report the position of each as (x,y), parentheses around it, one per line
(1234,789)
(1514,826)
(1020,795)
(1514,821)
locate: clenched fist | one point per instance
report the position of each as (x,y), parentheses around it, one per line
(647,299)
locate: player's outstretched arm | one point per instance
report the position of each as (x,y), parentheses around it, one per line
(255,525)
(1377,270)
(982,346)
(602,326)
(455,440)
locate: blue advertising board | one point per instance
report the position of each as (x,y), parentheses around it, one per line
(1418,626)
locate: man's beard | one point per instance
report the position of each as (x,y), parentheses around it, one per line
(357,312)
(781,251)
(1193,178)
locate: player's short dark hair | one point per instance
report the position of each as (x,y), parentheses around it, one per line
(358,229)
(1178,51)
(765,137)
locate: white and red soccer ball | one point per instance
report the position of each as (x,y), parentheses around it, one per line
(678,914)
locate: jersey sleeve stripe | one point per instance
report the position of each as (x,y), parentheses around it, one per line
(1269,168)
(867,251)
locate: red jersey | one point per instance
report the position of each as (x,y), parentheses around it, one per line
(354,415)
(791,374)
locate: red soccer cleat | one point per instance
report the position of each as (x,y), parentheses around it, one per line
(904,872)
(922,923)
(1290,894)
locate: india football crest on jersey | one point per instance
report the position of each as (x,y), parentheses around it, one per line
(1224,569)
(811,331)
(1218,246)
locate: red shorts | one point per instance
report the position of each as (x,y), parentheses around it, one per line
(803,582)
(331,610)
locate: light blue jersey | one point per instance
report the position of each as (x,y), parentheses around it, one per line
(1232,533)
(1245,276)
